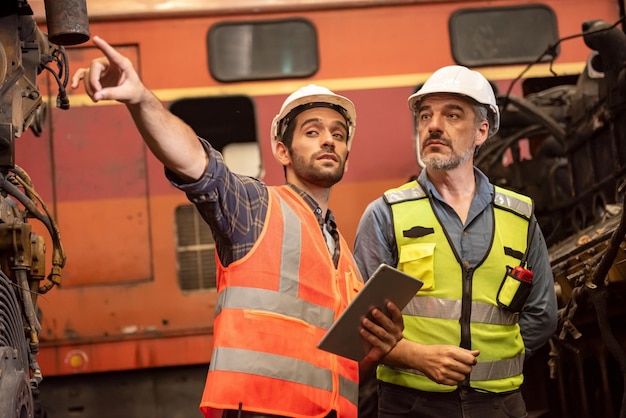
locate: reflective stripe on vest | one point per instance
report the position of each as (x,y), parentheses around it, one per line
(247,298)
(451,309)
(440,306)
(283,368)
(271,311)
(401,195)
(489,370)
(506,200)
(502,199)
(290,257)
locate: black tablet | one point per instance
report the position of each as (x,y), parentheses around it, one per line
(387,283)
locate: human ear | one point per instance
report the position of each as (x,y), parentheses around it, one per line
(282,154)
(482,132)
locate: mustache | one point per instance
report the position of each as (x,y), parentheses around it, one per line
(436,136)
(327,150)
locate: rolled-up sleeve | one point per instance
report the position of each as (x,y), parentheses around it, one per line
(234,206)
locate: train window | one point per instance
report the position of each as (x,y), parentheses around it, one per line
(503,35)
(229,124)
(262,50)
(195,250)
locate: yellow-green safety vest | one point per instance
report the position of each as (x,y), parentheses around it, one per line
(457,304)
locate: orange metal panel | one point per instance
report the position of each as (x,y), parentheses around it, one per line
(159,305)
(110,241)
(102,356)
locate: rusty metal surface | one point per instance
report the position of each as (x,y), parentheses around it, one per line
(120,9)
(67,20)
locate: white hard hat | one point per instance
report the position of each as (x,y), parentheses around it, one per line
(314,96)
(456,79)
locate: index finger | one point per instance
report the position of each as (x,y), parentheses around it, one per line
(111,53)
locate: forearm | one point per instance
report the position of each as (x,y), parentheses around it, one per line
(538,320)
(405,355)
(444,364)
(172,141)
(394,359)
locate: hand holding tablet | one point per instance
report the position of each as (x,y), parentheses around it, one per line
(386,283)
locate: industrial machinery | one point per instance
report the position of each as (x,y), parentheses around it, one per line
(25,52)
(563,142)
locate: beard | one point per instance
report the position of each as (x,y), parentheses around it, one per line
(446,162)
(307,170)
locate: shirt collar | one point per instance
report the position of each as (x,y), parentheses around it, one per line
(330,217)
(484,189)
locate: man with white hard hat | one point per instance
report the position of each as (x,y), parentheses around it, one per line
(488,299)
(284,271)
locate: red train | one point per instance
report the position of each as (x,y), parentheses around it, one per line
(128,332)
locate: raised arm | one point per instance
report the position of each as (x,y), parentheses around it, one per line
(172,141)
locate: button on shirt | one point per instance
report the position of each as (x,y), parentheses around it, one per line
(472,239)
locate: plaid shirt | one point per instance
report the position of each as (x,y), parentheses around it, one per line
(235,206)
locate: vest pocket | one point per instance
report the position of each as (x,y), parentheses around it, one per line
(418,260)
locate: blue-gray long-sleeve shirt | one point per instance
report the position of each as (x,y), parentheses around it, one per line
(375,243)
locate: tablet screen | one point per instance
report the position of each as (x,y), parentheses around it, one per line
(386,283)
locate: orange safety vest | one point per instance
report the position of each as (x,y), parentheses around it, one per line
(273,307)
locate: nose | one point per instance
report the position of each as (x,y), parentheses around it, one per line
(435,123)
(327,138)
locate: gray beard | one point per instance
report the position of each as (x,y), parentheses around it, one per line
(448,163)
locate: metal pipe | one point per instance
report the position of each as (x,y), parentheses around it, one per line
(67,21)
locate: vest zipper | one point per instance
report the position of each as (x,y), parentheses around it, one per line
(466,308)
